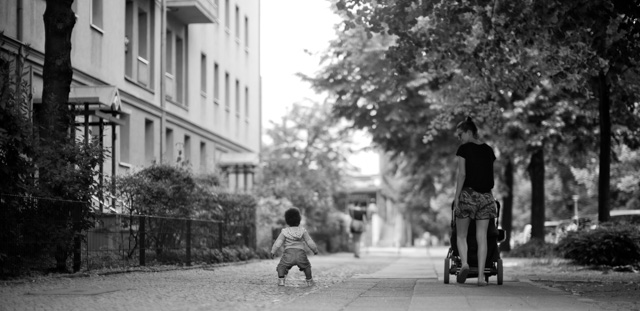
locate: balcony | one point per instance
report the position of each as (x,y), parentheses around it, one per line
(193,11)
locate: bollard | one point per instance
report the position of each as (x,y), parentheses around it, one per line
(77,240)
(141,239)
(188,252)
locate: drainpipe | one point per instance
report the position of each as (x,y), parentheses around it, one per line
(19,11)
(163,69)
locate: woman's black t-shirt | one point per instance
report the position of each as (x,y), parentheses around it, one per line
(359,214)
(478,166)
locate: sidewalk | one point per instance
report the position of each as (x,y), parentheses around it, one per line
(415,282)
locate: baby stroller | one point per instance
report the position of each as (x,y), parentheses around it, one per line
(493,264)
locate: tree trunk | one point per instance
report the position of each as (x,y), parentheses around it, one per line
(605,149)
(59,20)
(507,208)
(53,117)
(536,174)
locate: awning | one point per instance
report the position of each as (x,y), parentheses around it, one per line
(104,98)
(103,101)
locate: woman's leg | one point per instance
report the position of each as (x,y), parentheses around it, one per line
(356,244)
(481,237)
(462,227)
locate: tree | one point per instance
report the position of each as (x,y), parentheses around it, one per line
(305,161)
(483,57)
(47,186)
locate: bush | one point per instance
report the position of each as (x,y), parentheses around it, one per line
(263,253)
(611,245)
(533,249)
(207,255)
(230,254)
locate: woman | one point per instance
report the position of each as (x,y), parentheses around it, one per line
(473,199)
(358,215)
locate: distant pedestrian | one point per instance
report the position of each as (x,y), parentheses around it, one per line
(473,199)
(293,238)
(358,213)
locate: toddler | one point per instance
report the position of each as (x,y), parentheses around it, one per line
(293,238)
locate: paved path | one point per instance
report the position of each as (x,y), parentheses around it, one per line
(383,279)
(415,282)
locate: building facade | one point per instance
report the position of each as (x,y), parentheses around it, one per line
(187,87)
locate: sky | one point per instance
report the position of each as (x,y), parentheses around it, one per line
(293,34)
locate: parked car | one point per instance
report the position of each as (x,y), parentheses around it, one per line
(631,216)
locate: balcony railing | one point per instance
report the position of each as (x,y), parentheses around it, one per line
(193,11)
(170,86)
(143,71)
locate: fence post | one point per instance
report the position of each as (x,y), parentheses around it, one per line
(220,232)
(141,239)
(188,242)
(77,240)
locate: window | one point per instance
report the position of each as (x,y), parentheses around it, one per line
(237,94)
(143,35)
(169,145)
(124,138)
(237,22)
(96,13)
(203,156)
(203,74)
(216,95)
(179,63)
(216,82)
(246,32)
(148,141)
(237,108)
(175,74)
(187,149)
(246,113)
(246,103)
(128,37)
(138,47)
(226,15)
(169,45)
(227,103)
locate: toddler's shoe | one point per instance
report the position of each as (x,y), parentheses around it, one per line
(280,281)
(310,282)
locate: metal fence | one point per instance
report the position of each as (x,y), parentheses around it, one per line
(35,233)
(126,240)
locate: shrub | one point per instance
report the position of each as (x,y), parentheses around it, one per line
(170,257)
(611,245)
(230,254)
(533,249)
(207,255)
(245,253)
(263,253)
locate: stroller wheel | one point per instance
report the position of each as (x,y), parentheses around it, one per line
(500,271)
(447,266)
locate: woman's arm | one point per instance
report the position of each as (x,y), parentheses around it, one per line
(459,180)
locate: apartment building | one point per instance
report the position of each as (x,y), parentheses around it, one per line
(202,107)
